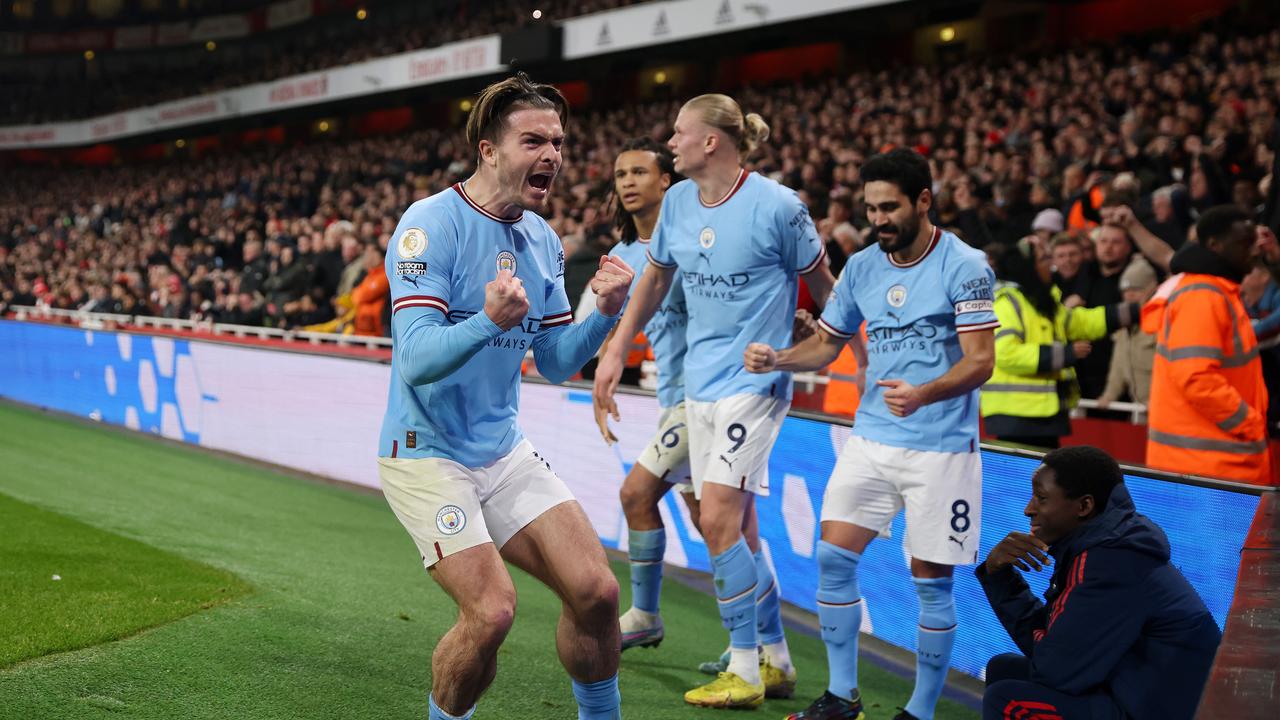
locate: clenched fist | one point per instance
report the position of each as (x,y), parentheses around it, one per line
(505,301)
(610,284)
(759,358)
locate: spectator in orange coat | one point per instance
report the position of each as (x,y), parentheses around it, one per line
(370,296)
(1208,407)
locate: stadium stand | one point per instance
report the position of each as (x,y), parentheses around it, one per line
(71,87)
(1186,119)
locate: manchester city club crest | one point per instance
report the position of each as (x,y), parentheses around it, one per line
(897,296)
(450,520)
(412,243)
(707,238)
(507,261)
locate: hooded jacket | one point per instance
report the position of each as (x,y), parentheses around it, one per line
(1118,618)
(1207,414)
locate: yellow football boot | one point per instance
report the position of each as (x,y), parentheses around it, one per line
(778,683)
(728,690)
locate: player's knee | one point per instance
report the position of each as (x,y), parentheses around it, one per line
(721,529)
(635,499)
(492,618)
(596,596)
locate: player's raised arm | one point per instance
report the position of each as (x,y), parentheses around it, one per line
(427,347)
(821,348)
(645,299)
(813,353)
(560,351)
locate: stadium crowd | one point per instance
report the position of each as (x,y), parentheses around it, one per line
(107,86)
(1096,156)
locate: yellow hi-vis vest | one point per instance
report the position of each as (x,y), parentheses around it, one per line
(1031,354)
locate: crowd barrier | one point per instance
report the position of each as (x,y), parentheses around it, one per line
(321,414)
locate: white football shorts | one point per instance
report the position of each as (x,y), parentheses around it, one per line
(448,508)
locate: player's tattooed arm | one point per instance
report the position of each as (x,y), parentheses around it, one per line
(967,375)
(813,353)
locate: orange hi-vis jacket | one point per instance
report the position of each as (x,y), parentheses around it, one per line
(1208,408)
(638,351)
(842,395)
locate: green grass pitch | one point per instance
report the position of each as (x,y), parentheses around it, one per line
(200,587)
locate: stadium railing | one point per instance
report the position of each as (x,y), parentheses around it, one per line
(99,321)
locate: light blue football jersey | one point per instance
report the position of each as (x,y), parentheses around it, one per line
(666,330)
(445,249)
(915,314)
(740,260)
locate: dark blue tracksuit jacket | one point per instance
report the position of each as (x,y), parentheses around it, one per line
(1118,618)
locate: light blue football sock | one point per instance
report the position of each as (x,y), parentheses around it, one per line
(768,605)
(646,548)
(435,713)
(840,615)
(735,580)
(936,636)
(598,700)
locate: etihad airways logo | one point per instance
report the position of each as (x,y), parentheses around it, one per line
(715,285)
(519,337)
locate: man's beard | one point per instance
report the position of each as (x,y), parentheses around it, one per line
(905,235)
(1115,265)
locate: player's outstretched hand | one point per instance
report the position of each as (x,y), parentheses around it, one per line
(611,283)
(1021,550)
(759,358)
(803,326)
(902,397)
(505,301)
(602,419)
(608,373)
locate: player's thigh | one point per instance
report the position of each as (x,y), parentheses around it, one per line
(521,488)
(943,496)
(738,441)
(478,582)
(561,549)
(861,500)
(642,487)
(667,455)
(438,503)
